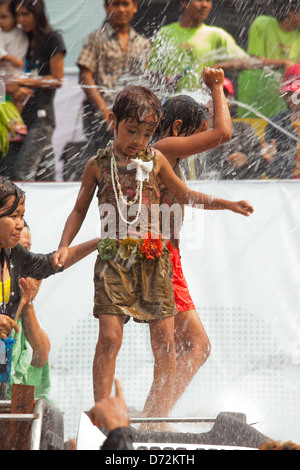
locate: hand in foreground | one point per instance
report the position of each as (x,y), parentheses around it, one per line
(6,326)
(242,207)
(213,77)
(111,412)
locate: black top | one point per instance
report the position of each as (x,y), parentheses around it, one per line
(118,439)
(23,263)
(52,44)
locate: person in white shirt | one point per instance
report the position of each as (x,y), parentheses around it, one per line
(13,46)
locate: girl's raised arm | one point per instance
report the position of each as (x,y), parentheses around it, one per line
(183,147)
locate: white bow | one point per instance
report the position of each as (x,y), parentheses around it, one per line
(142,169)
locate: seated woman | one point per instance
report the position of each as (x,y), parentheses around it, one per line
(17,262)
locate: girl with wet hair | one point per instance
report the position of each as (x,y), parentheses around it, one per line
(182,132)
(133,272)
(9,190)
(184,108)
(134,103)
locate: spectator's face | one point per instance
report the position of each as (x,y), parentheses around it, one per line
(11,225)
(294,19)
(197,9)
(26,19)
(7,21)
(121,12)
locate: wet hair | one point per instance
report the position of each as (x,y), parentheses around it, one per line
(185,108)
(136,102)
(282,7)
(7,190)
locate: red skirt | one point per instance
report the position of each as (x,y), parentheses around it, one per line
(182,296)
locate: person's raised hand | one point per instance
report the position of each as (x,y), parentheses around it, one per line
(111,412)
(213,77)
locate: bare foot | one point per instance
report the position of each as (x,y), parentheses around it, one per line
(160,427)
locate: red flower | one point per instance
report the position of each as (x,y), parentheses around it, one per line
(152,247)
(170,247)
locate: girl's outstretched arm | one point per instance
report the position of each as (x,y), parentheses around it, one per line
(186,196)
(75,253)
(90,177)
(183,147)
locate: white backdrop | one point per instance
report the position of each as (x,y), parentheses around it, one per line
(243,275)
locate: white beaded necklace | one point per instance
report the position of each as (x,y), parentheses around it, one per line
(138,192)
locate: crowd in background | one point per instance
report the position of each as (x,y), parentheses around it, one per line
(264,106)
(263,144)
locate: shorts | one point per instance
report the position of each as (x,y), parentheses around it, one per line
(143,290)
(182,296)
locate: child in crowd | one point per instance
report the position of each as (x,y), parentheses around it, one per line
(133,272)
(113,56)
(13,47)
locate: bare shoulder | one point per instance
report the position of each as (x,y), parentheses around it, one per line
(92,169)
(167,147)
(91,176)
(160,159)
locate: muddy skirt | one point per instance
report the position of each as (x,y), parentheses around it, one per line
(143,290)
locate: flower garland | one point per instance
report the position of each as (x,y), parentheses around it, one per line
(107,248)
(152,247)
(133,248)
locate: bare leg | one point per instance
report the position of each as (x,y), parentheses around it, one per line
(162,343)
(107,348)
(192,350)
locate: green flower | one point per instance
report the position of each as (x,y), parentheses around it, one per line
(107,248)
